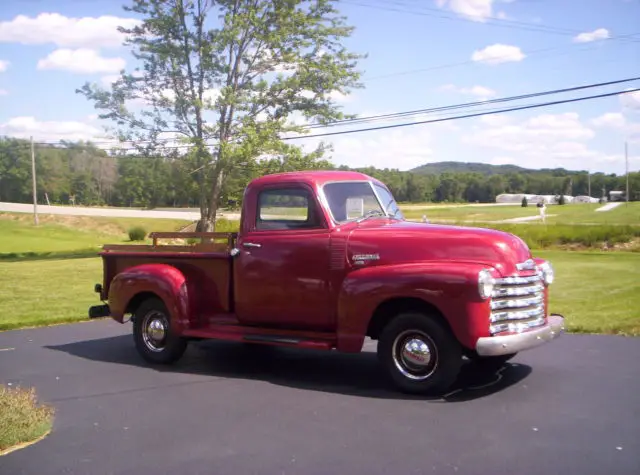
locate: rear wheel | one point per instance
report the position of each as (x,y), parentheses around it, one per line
(420,354)
(153,335)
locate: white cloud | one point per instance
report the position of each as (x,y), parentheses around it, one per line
(338,96)
(497,54)
(632,132)
(394,148)
(477,10)
(538,141)
(108,80)
(589,36)
(495,120)
(481,92)
(402,148)
(4,65)
(87,32)
(610,119)
(81,61)
(24,127)
(3,92)
(630,100)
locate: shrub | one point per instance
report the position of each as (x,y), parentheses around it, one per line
(525,203)
(137,233)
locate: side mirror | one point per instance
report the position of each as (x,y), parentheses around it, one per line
(355,207)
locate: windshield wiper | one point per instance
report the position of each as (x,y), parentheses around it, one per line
(369,214)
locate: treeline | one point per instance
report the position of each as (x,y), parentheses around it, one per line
(81,174)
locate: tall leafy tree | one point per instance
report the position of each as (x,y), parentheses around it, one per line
(228,88)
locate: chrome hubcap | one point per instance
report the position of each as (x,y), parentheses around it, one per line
(154,330)
(415,355)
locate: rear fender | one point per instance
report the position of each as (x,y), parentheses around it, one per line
(452,288)
(163,280)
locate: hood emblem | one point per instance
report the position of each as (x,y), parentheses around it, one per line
(360,259)
(529,264)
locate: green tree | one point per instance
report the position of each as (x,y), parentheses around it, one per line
(239,83)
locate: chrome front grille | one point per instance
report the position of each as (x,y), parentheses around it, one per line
(517,303)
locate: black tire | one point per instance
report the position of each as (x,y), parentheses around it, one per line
(167,347)
(419,377)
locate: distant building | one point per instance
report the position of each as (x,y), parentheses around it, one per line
(616,196)
(516,198)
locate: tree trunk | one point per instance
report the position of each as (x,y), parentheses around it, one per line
(204,225)
(218,180)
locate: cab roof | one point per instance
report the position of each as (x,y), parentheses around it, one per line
(312,177)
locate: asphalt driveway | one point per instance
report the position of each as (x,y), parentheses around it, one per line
(565,408)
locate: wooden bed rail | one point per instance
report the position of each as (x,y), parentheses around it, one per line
(203,236)
(209,242)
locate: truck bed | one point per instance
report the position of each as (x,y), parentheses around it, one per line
(206,263)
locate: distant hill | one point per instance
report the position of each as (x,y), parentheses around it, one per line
(486,169)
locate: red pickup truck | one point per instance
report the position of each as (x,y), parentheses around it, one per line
(324,259)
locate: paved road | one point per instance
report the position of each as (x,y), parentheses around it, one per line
(570,407)
(109,212)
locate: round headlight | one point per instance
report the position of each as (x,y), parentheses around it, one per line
(486,283)
(547,273)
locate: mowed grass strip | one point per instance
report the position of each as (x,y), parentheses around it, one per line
(22,418)
(597,292)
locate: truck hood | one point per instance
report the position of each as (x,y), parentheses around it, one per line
(394,242)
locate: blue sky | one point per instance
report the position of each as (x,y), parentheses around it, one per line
(422,53)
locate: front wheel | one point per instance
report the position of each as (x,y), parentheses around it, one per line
(152,333)
(420,354)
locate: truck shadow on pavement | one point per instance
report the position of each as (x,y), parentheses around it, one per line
(350,374)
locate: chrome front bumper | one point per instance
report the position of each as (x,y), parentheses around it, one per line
(507,344)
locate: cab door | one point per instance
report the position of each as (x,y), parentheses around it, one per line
(281,274)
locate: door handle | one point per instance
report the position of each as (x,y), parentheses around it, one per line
(251,244)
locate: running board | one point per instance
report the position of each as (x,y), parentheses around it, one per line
(263,339)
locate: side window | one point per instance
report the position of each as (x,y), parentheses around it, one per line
(287,208)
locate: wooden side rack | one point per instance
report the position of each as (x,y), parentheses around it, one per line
(205,242)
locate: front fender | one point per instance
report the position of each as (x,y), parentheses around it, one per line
(450,287)
(163,280)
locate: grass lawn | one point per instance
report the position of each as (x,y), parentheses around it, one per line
(22,419)
(36,293)
(567,214)
(597,292)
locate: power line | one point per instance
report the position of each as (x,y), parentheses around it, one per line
(487,20)
(368,119)
(473,104)
(424,111)
(587,47)
(478,114)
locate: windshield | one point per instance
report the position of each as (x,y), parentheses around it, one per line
(353,200)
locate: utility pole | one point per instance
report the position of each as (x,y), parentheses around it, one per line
(33,176)
(589,183)
(626,164)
